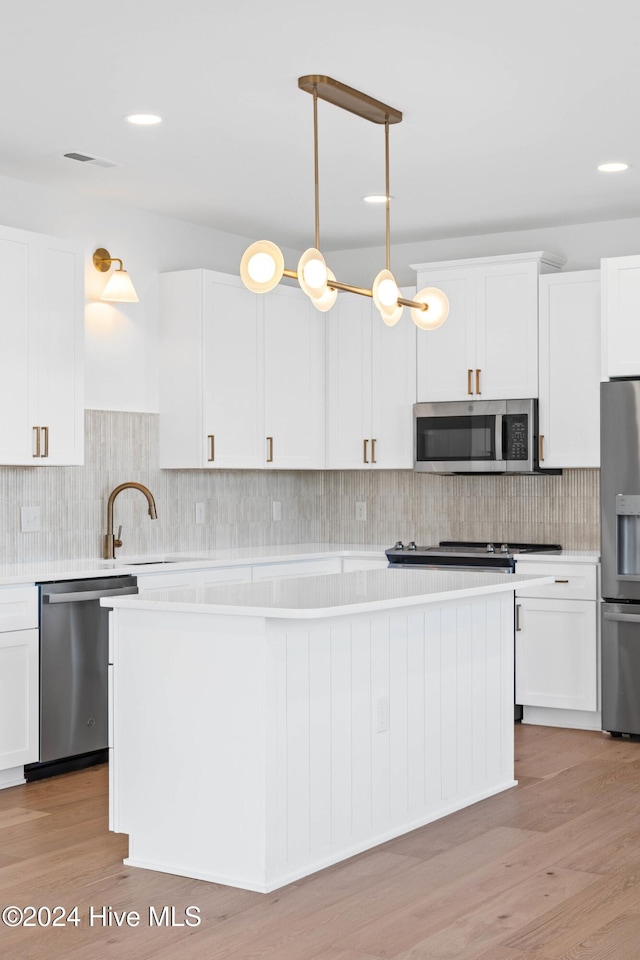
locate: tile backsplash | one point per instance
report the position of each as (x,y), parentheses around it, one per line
(317,506)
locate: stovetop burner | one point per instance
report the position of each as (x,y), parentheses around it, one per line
(466,554)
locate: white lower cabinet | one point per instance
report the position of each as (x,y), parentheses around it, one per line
(19,682)
(556,646)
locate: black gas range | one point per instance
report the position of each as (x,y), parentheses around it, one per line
(461,555)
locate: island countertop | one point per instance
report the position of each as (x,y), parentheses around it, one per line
(326,595)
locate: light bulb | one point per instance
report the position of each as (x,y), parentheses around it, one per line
(385,293)
(262,266)
(312,272)
(437,308)
(388,293)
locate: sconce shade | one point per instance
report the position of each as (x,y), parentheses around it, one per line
(262,266)
(438,308)
(119,288)
(326,299)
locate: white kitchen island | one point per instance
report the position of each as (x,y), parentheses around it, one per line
(262,731)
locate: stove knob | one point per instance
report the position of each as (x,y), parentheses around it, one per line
(412,545)
(504,548)
(399,545)
(491,548)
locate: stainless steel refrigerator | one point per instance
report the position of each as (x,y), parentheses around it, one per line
(620,524)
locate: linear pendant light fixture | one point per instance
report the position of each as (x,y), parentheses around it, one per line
(262,265)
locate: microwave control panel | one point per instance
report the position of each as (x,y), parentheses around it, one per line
(515,436)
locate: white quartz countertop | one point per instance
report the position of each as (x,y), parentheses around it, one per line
(564,556)
(328,595)
(49,570)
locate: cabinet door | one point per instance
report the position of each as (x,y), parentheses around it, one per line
(507,331)
(570,369)
(393,390)
(620,311)
(232,374)
(18,698)
(17,334)
(556,654)
(446,356)
(58,347)
(294,381)
(349,384)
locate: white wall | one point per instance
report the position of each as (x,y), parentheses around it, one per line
(583,244)
(121,340)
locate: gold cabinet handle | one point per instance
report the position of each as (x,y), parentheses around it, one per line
(270,453)
(541,447)
(364,452)
(45,430)
(469,375)
(373,450)
(37,433)
(561,581)
(212,447)
(478,390)
(518,627)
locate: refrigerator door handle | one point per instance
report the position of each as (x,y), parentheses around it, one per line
(623,617)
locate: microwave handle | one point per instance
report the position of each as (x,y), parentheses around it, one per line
(499,436)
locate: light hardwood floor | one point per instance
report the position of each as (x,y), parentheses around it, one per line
(547,871)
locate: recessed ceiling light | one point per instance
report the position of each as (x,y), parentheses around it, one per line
(143,119)
(616,167)
(377,198)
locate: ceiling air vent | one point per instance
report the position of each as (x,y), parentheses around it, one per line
(93,161)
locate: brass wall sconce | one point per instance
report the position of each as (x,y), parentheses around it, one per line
(119,288)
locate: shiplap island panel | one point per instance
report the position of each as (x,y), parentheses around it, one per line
(255,743)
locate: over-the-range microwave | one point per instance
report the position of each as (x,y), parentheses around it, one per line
(477,436)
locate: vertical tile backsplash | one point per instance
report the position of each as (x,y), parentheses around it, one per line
(316,506)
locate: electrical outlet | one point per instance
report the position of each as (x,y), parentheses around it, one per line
(200,512)
(382,714)
(29,519)
(361,509)
(276,510)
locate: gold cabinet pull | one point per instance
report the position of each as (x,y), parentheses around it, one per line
(212,447)
(37,433)
(541,447)
(518,627)
(45,430)
(469,375)
(364,452)
(478,390)
(373,450)
(561,581)
(270,453)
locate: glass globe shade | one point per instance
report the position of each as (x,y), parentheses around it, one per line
(392,317)
(262,266)
(328,297)
(437,308)
(312,272)
(385,291)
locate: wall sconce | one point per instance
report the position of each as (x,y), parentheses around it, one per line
(119,287)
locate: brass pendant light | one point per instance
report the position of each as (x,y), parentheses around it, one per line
(262,265)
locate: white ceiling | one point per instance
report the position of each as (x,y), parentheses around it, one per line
(508,108)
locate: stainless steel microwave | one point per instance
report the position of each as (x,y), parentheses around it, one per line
(476,436)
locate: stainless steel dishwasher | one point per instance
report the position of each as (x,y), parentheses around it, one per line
(74,656)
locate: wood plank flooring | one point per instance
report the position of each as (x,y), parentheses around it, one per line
(547,871)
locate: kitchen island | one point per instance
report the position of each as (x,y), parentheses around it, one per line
(262,731)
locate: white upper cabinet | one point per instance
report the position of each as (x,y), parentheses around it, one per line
(41,361)
(620,312)
(488,347)
(569,408)
(242,376)
(370,387)
(294,381)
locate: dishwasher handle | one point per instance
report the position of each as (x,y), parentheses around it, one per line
(87,595)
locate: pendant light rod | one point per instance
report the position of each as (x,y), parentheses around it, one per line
(316,163)
(387,194)
(362,291)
